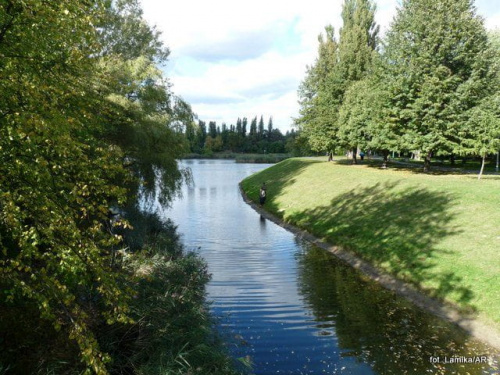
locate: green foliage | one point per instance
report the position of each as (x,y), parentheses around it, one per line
(358,39)
(437,70)
(173,330)
(142,114)
(431,92)
(319,96)
(123,32)
(482,131)
(87,121)
(356,115)
(337,67)
(57,178)
(233,138)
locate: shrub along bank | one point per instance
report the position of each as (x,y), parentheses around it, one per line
(171,332)
(436,231)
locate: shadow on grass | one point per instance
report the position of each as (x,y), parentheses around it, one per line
(407,167)
(417,168)
(396,229)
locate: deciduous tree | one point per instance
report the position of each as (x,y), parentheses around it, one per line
(436,72)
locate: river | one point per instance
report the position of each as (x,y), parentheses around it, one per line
(292,308)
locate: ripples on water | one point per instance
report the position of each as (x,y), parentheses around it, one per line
(293,308)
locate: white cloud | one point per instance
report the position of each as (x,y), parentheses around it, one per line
(235,59)
(266,85)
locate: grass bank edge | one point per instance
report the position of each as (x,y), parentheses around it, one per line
(435,231)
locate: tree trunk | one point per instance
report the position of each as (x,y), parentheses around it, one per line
(427,162)
(452,159)
(385,153)
(354,151)
(482,167)
(330,156)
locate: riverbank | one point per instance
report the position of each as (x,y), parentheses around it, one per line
(429,232)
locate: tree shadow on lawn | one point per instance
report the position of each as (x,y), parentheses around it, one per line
(407,167)
(398,230)
(436,170)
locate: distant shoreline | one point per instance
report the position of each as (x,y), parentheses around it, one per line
(240,158)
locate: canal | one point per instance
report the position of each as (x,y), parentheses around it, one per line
(292,308)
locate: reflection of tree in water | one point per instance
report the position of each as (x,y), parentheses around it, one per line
(372,324)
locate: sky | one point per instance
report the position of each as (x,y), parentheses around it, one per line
(233,59)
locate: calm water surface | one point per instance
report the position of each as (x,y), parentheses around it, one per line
(293,308)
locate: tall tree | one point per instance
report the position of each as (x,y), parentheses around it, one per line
(357,43)
(319,96)
(201,134)
(253,127)
(212,129)
(57,176)
(86,119)
(239,128)
(436,72)
(270,126)
(190,133)
(358,39)
(261,127)
(244,124)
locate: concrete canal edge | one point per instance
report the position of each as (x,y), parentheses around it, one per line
(471,325)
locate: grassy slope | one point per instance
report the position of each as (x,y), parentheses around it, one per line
(440,232)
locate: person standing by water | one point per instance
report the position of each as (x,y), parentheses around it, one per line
(263,193)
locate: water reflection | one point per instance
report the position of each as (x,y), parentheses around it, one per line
(213,192)
(371,324)
(262,224)
(295,309)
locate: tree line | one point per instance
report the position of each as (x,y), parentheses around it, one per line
(429,86)
(87,131)
(253,137)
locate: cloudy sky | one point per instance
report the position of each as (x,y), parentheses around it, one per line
(233,59)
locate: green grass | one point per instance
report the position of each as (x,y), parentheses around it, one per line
(439,231)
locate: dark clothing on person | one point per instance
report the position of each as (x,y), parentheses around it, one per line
(262,194)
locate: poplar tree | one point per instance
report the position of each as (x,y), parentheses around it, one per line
(201,134)
(270,126)
(319,96)
(239,128)
(244,124)
(337,67)
(253,127)
(358,40)
(212,129)
(261,127)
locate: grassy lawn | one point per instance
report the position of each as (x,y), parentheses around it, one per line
(438,231)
